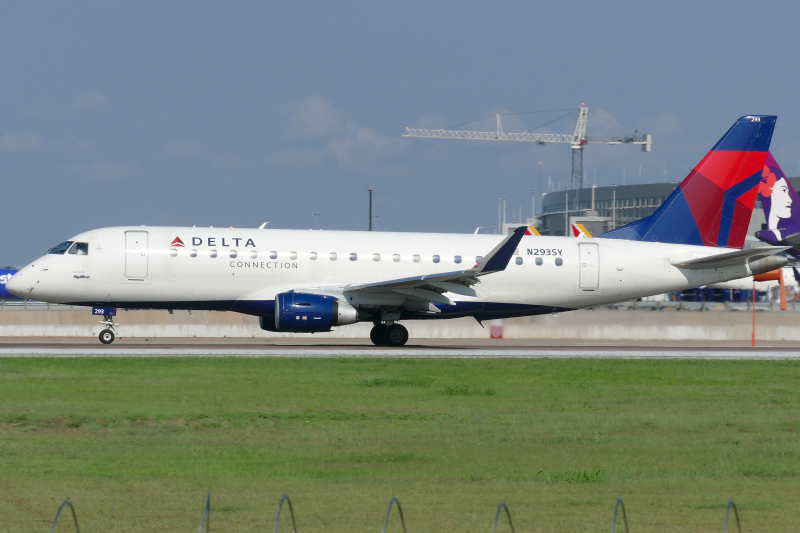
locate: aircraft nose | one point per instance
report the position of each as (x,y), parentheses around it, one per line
(14,285)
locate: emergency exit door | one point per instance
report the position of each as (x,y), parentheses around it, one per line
(136,254)
(589,279)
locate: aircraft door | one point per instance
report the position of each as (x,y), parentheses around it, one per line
(589,279)
(136,254)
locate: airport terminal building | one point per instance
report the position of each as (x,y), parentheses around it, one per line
(602,209)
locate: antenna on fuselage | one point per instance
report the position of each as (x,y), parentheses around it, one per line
(264,225)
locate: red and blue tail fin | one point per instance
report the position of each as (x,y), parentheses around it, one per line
(713,205)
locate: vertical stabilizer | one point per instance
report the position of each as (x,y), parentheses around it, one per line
(713,205)
(781,208)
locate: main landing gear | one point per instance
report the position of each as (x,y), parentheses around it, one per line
(392,334)
(107,335)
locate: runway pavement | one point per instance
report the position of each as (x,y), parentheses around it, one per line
(304,347)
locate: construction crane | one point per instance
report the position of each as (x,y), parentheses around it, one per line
(577,140)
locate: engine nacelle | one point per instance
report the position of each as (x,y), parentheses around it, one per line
(305,313)
(766,264)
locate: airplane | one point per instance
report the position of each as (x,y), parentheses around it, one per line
(781,208)
(312,281)
(5,275)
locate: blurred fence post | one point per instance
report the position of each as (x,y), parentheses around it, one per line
(624,516)
(286,499)
(727,515)
(58,513)
(388,512)
(497,517)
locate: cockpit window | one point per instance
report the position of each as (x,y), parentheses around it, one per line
(80,248)
(61,248)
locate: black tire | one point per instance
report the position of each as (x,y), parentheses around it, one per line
(106,336)
(395,335)
(377,334)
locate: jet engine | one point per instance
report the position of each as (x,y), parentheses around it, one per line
(299,312)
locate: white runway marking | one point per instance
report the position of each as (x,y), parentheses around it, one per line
(476,353)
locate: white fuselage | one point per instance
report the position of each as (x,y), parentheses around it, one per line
(243,269)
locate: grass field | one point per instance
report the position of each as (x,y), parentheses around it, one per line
(136,443)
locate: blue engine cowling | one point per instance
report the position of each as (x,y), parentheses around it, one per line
(305,313)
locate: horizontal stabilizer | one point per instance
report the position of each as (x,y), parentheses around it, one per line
(737,257)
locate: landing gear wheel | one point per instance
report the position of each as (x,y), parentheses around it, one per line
(377,335)
(106,336)
(395,335)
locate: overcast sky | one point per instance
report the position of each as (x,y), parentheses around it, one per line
(237,113)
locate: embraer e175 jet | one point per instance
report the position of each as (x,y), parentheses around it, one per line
(312,281)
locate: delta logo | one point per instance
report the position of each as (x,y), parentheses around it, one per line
(177,242)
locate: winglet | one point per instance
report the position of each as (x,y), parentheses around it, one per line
(497,260)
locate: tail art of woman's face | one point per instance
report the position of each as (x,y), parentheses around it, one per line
(777,190)
(781,200)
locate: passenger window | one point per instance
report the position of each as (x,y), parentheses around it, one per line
(396,258)
(253,254)
(333,256)
(273,255)
(61,248)
(233,254)
(292,255)
(559,261)
(518,260)
(212,253)
(80,248)
(539,261)
(353,257)
(376,257)
(457,259)
(415,258)
(192,253)
(435,258)
(173,252)
(313,256)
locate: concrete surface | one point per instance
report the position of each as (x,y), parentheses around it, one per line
(589,326)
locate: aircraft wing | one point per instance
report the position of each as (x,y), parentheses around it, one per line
(430,287)
(418,292)
(726,259)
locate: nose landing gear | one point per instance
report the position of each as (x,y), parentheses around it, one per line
(391,334)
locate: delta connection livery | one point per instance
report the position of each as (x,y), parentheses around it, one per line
(312,281)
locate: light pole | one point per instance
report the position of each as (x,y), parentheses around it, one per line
(370,208)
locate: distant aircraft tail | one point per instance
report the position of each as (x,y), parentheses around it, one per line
(532,231)
(781,208)
(713,205)
(5,275)
(579,230)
